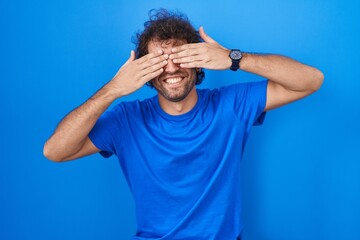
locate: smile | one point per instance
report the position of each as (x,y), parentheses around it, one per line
(173,80)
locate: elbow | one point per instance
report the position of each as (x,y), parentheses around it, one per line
(318,79)
(50,155)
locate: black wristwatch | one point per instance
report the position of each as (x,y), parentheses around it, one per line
(235,56)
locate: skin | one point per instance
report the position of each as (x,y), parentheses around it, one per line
(289,81)
(176,85)
(70,139)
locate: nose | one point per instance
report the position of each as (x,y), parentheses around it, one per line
(171,67)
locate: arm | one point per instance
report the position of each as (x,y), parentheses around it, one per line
(70,139)
(289,80)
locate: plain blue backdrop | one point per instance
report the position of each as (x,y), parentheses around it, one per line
(300,169)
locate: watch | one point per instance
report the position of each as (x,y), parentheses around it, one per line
(235,56)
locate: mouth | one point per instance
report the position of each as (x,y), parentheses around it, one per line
(173,80)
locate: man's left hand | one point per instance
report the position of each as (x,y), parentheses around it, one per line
(208,54)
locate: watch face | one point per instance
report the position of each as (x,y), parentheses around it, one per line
(235,54)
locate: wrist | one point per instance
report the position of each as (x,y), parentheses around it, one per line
(243,60)
(235,56)
(108,93)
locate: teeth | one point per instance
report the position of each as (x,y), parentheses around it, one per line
(173,80)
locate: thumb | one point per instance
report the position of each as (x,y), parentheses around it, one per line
(132,55)
(205,37)
(131,58)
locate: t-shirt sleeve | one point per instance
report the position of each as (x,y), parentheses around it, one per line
(106,133)
(248,100)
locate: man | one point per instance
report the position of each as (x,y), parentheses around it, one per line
(180,151)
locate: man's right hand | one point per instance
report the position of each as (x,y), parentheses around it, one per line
(136,72)
(70,139)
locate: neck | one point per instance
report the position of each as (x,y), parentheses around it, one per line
(181,107)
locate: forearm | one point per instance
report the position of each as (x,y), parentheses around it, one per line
(72,131)
(69,141)
(285,71)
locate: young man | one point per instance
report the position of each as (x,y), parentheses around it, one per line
(180,151)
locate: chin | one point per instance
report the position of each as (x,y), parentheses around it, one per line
(175,98)
(174,88)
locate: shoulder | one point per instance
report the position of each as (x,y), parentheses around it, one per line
(226,90)
(245,90)
(134,105)
(244,86)
(223,92)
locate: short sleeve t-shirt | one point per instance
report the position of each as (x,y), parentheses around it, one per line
(184,171)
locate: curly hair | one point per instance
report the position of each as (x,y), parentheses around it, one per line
(165,25)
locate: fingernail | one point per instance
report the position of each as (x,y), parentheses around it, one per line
(166,56)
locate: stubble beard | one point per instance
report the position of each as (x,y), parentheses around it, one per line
(175,94)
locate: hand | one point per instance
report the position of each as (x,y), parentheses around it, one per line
(208,54)
(135,73)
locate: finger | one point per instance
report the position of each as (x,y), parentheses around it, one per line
(149,56)
(185,47)
(154,61)
(151,75)
(131,58)
(187,52)
(189,59)
(197,64)
(205,37)
(154,67)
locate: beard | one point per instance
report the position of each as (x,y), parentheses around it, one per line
(175,92)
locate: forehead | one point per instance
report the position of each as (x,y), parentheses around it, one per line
(165,45)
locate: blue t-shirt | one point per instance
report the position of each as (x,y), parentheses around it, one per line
(184,171)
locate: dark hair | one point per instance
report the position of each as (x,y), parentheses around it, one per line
(164,25)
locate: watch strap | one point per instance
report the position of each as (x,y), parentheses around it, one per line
(234,65)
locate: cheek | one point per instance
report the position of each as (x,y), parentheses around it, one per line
(156,81)
(193,74)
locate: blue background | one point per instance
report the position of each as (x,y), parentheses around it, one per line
(300,169)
